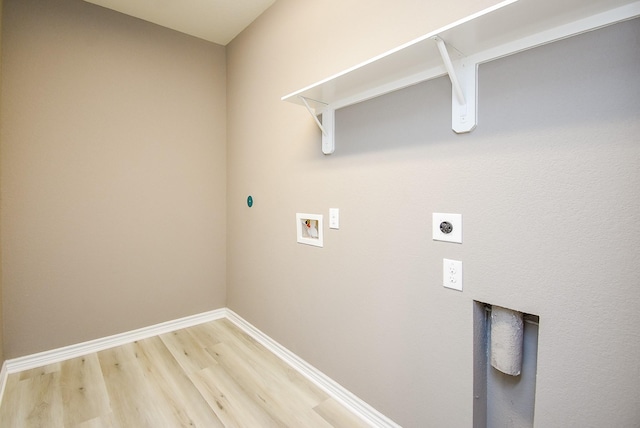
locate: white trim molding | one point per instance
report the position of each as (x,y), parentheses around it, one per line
(345,397)
(72,351)
(361,409)
(3,379)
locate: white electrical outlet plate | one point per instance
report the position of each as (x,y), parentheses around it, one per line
(452,274)
(447,227)
(334,218)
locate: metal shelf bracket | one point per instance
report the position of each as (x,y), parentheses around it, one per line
(464,84)
(327,126)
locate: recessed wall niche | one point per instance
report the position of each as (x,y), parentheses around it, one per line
(502,399)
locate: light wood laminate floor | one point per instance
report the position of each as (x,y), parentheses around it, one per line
(210,375)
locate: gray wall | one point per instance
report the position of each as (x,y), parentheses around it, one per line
(547,186)
(1,317)
(113,174)
(114,199)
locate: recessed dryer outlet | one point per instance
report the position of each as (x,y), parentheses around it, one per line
(447,227)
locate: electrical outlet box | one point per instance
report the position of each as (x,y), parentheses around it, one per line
(452,274)
(447,227)
(334,218)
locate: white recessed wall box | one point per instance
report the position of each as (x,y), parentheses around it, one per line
(447,227)
(309,229)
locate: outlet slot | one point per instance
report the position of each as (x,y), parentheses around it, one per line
(447,227)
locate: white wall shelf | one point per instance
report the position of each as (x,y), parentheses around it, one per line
(456,49)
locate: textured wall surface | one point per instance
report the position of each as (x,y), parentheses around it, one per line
(113,174)
(116,187)
(1,318)
(547,186)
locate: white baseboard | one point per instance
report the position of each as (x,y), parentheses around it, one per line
(72,351)
(3,379)
(367,413)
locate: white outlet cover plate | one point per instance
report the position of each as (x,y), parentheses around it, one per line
(452,274)
(334,218)
(456,222)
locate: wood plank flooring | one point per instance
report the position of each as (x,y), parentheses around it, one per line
(211,375)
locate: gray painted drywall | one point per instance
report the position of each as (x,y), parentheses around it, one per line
(548,188)
(113,174)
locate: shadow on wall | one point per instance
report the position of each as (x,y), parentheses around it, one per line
(420,115)
(414,116)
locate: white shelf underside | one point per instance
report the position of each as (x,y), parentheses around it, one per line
(509,27)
